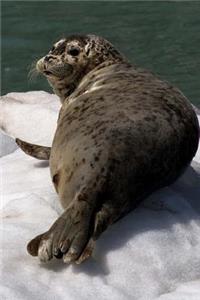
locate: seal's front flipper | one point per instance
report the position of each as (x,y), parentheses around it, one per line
(39,152)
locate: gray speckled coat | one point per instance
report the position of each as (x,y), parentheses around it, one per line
(122,133)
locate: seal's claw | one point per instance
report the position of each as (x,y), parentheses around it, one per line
(66,238)
(71,255)
(59,254)
(87,252)
(41,246)
(77,247)
(45,250)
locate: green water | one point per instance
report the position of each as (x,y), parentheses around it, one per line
(161,36)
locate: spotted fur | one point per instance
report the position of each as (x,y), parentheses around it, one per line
(122,133)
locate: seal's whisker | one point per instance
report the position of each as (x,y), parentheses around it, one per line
(62,69)
(32,74)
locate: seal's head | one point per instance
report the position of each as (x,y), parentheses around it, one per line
(72,58)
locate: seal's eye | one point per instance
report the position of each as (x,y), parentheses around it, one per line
(73,51)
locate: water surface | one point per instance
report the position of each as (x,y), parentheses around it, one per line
(161,36)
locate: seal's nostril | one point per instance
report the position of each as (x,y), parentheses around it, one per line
(48,58)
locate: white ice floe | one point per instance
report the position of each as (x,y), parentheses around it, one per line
(153,253)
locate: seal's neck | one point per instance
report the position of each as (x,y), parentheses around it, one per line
(63,89)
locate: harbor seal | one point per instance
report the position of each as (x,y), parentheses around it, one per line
(121,134)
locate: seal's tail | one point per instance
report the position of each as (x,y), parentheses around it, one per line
(37,151)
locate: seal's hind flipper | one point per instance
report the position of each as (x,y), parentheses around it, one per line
(39,152)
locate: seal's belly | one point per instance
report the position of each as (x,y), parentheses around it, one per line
(74,157)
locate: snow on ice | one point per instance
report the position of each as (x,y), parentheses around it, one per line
(151,254)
